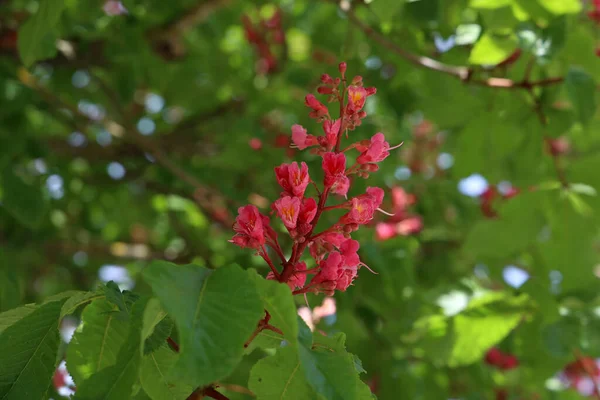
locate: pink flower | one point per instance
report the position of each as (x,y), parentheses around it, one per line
(385,230)
(349,249)
(318,109)
(363,207)
(334,166)
(298,277)
(357,95)
(377,150)
(308,210)
(249,228)
(112,8)
(301,139)
(330,268)
(345,279)
(293,179)
(332,130)
(409,226)
(288,209)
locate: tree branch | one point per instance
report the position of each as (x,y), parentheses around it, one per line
(461,72)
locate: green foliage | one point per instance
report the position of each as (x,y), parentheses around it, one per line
(24,201)
(28,353)
(128,140)
(215,313)
(37,35)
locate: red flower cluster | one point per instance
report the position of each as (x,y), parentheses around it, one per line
(265,36)
(491,193)
(501,360)
(401,223)
(582,375)
(594,14)
(333,250)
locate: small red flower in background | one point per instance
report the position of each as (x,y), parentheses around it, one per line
(267,36)
(112,8)
(490,195)
(401,223)
(582,375)
(594,14)
(255,143)
(334,252)
(62,381)
(503,361)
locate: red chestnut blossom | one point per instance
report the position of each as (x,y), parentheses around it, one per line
(301,139)
(334,167)
(582,375)
(249,228)
(319,110)
(401,223)
(293,179)
(331,129)
(308,210)
(375,151)
(363,207)
(267,36)
(501,360)
(288,209)
(594,15)
(335,253)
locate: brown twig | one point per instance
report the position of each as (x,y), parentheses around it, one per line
(232,387)
(173,344)
(461,72)
(262,325)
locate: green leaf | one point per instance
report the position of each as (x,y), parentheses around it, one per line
(77,300)
(215,313)
(23,201)
(28,353)
(465,337)
(280,377)
(582,93)
(154,371)
(10,317)
(278,301)
(583,188)
(97,341)
(36,36)
(117,381)
(331,371)
(10,289)
(562,6)
(386,10)
(156,328)
(519,224)
(491,50)
(489,3)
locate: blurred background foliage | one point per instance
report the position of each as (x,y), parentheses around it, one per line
(132,131)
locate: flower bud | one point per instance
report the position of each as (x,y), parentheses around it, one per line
(357,80)
(324,90)
(342,68)
(325,78)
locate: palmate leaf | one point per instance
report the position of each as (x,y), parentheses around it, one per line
(97,341)
(28,352)
(215,313)
(316,364)
(278,301)
(33,36)
(154,371)
(280,377)
(157,326)
(10,317)
(117,381)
